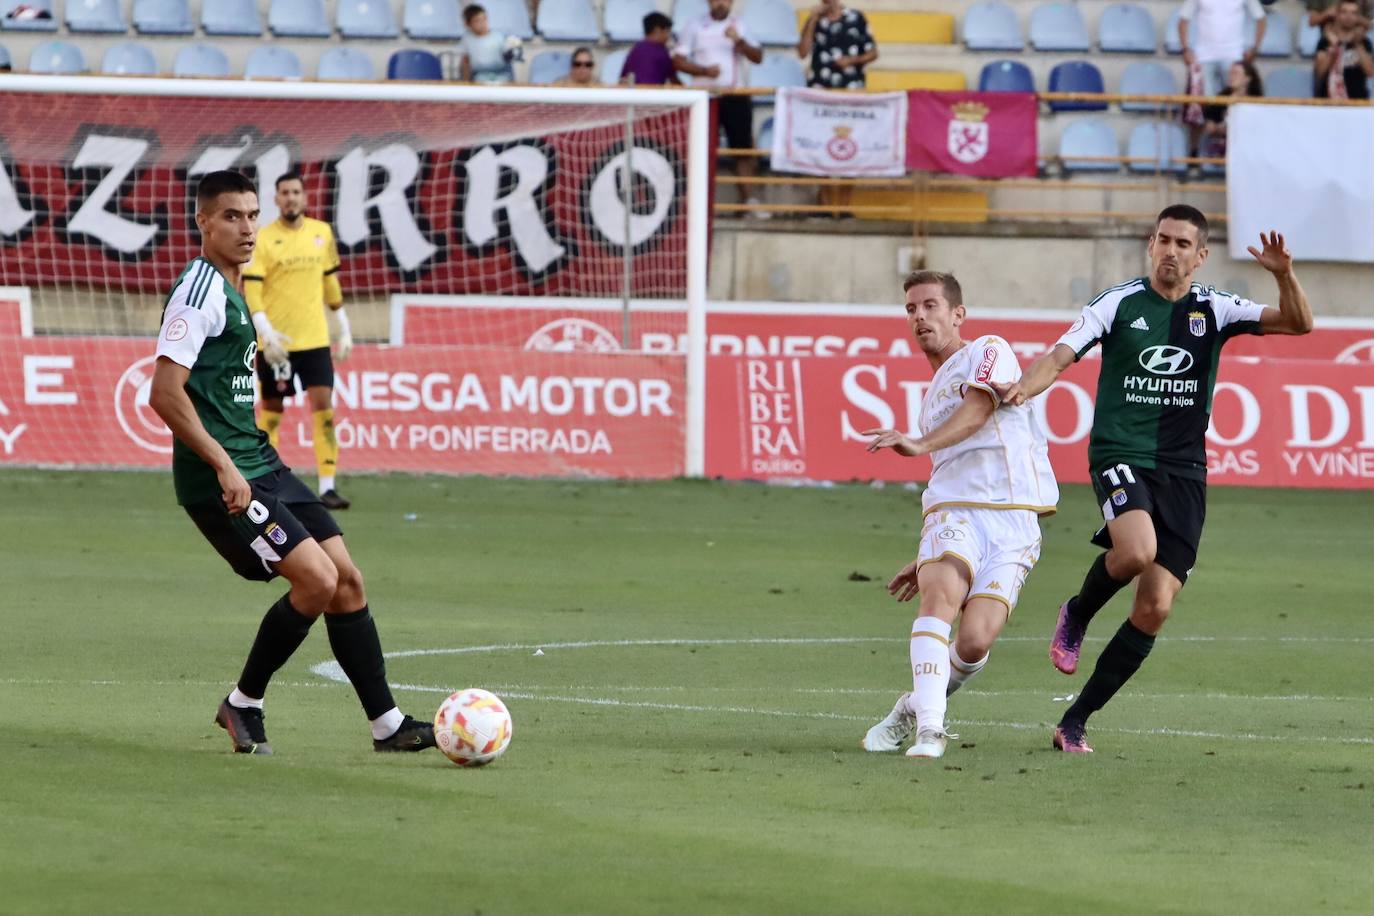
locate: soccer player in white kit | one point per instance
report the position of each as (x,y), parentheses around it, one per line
(991,481)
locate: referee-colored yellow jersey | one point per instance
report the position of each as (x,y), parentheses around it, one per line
(293,274)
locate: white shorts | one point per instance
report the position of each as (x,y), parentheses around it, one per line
(999,547)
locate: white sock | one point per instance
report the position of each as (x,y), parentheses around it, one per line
(326,483)
(929,671)
(385,725)
(960,670)
(240,700)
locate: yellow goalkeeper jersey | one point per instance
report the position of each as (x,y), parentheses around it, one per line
(293,275)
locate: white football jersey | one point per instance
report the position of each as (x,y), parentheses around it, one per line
(1006,463)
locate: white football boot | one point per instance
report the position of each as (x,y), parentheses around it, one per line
(930,743)
(889,734)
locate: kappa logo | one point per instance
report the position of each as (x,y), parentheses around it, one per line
(1139,324)
(1166,360)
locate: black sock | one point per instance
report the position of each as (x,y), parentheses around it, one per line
(281,633)
(353,637)
(1115,666)
(1098,588)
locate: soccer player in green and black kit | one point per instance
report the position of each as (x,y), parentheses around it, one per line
(245,502)
(1161,342)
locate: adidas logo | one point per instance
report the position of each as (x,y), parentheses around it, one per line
(1139,324)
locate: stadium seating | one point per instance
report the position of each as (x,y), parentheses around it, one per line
(163,17)
(201,60)
(270,62)
(1171,42)
(1087,140)
(771,22)
(1289,83)
(776,70)
(550,67)
(1308,36)
(892,80)
(611,65)
(1278,36)
(992,26)
(909,28)
(414,64)
(28,25)
(298,19)
(230,17)
(1157,147)
(439,20)
(1058,27)
(624,19)
(1006,76)
(1147,78)
(509,16)
(1127,28)
(684,11)
(57,57)
(1076,76)
(128,59)
(568,20)
(345,64)
(365,19)
(95,16)
(4,58)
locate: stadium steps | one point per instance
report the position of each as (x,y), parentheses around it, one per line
(936,206)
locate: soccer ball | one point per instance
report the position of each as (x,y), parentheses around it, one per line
(472,727)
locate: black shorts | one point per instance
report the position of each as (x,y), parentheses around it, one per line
(283,514)
(312,367)
(736,114)
(1177,506)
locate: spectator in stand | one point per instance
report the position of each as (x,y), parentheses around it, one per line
(1322,13)
(583,71)
(1243,80)
(1345,57)
(839,44)
(649,63)
(710,50)
(1220,34)
(487,54)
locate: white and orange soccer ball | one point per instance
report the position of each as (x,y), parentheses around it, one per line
(472,727)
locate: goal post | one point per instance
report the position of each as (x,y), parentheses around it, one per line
(564,196)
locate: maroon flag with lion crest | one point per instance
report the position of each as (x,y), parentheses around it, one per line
(984,134)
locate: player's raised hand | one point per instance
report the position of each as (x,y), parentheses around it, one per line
(1010,393)
(899,442)
(237,493)
(903,586)
(1275,257)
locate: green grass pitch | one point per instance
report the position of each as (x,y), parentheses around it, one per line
(688,742)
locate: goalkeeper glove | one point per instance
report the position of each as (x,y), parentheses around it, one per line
(273,341)
(345,343)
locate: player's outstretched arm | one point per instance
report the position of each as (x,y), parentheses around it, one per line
(966,420)
(169,401)
(1294,314)
(1038,376)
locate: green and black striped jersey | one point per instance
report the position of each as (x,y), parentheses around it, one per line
(1159,368)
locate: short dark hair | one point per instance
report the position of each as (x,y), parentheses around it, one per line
(471,12)
(292,175)
(224,181)
(655,21)
(1186,214)
(954,294)
(582,49)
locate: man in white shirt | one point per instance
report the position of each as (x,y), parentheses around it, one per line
(709,50)
(1218,30)
(990,481)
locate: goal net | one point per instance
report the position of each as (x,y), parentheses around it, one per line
(524,269)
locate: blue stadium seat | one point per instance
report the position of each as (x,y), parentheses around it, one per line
(272,62)
(1006,76)
(5,58)
(1076,76)
(1278,35)
(1171,43)
(1127,28)
(992,26)
(230,17)
(298,19)
(550,67)
(433,19)
(771,22)
(1159,146)
(684,11)
(201,60)
(1308,36)
(568,20)
(56,57)
(95,16)
(776,70)
(365,19)
(1147,78)
(1058,27)
(414,64)
(624,19)
(509,16)
(1084,141)
(129,59)
(612,64)
(345,64)
(48,24)
(1289,83)
(163,17)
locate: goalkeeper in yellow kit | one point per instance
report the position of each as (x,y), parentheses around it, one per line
(292,277)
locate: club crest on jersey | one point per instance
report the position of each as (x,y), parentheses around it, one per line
(319,242)
(1119,497)
(1197,324)
(276,534)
